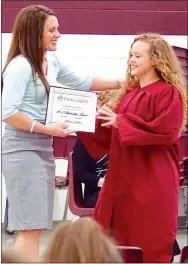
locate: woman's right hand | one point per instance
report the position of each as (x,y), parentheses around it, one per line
(58,130)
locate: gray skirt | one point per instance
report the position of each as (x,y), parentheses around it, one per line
(28,168)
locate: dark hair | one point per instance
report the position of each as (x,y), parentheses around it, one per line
(27,38)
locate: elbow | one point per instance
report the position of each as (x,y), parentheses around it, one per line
(150,139)
(6,119)
(8,113)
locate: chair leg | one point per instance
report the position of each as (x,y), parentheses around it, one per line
(66,205)
(186,208)
(6,216)
(76,218)
(10,232)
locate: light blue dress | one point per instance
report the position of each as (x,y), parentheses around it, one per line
(27,159)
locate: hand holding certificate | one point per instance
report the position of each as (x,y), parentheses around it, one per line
(75,108)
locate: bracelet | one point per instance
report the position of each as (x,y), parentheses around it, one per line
(33,126)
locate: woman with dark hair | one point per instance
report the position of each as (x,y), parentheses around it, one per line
(27,155)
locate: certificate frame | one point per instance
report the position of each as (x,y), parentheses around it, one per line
(72,107)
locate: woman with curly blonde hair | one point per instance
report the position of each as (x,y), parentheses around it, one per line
(140,129)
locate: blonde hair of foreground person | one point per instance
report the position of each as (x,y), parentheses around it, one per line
(167,66)
(82,241)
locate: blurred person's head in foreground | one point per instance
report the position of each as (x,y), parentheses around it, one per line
(81,241)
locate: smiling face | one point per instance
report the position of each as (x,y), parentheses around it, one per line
(50,33)
(140,62)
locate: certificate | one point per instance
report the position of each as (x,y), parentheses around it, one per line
(72,107)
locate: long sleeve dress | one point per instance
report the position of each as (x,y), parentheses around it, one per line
(139,198)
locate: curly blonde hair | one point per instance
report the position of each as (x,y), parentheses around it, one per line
(167,66)
(108,97)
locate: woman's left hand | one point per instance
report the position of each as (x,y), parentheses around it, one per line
(105,113)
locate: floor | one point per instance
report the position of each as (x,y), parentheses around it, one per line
(9,240)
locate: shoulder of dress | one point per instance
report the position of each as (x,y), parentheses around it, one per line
(161,87)
(19,64)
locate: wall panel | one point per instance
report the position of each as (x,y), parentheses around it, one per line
(109,17)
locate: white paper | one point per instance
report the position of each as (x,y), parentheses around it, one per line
(72,107)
